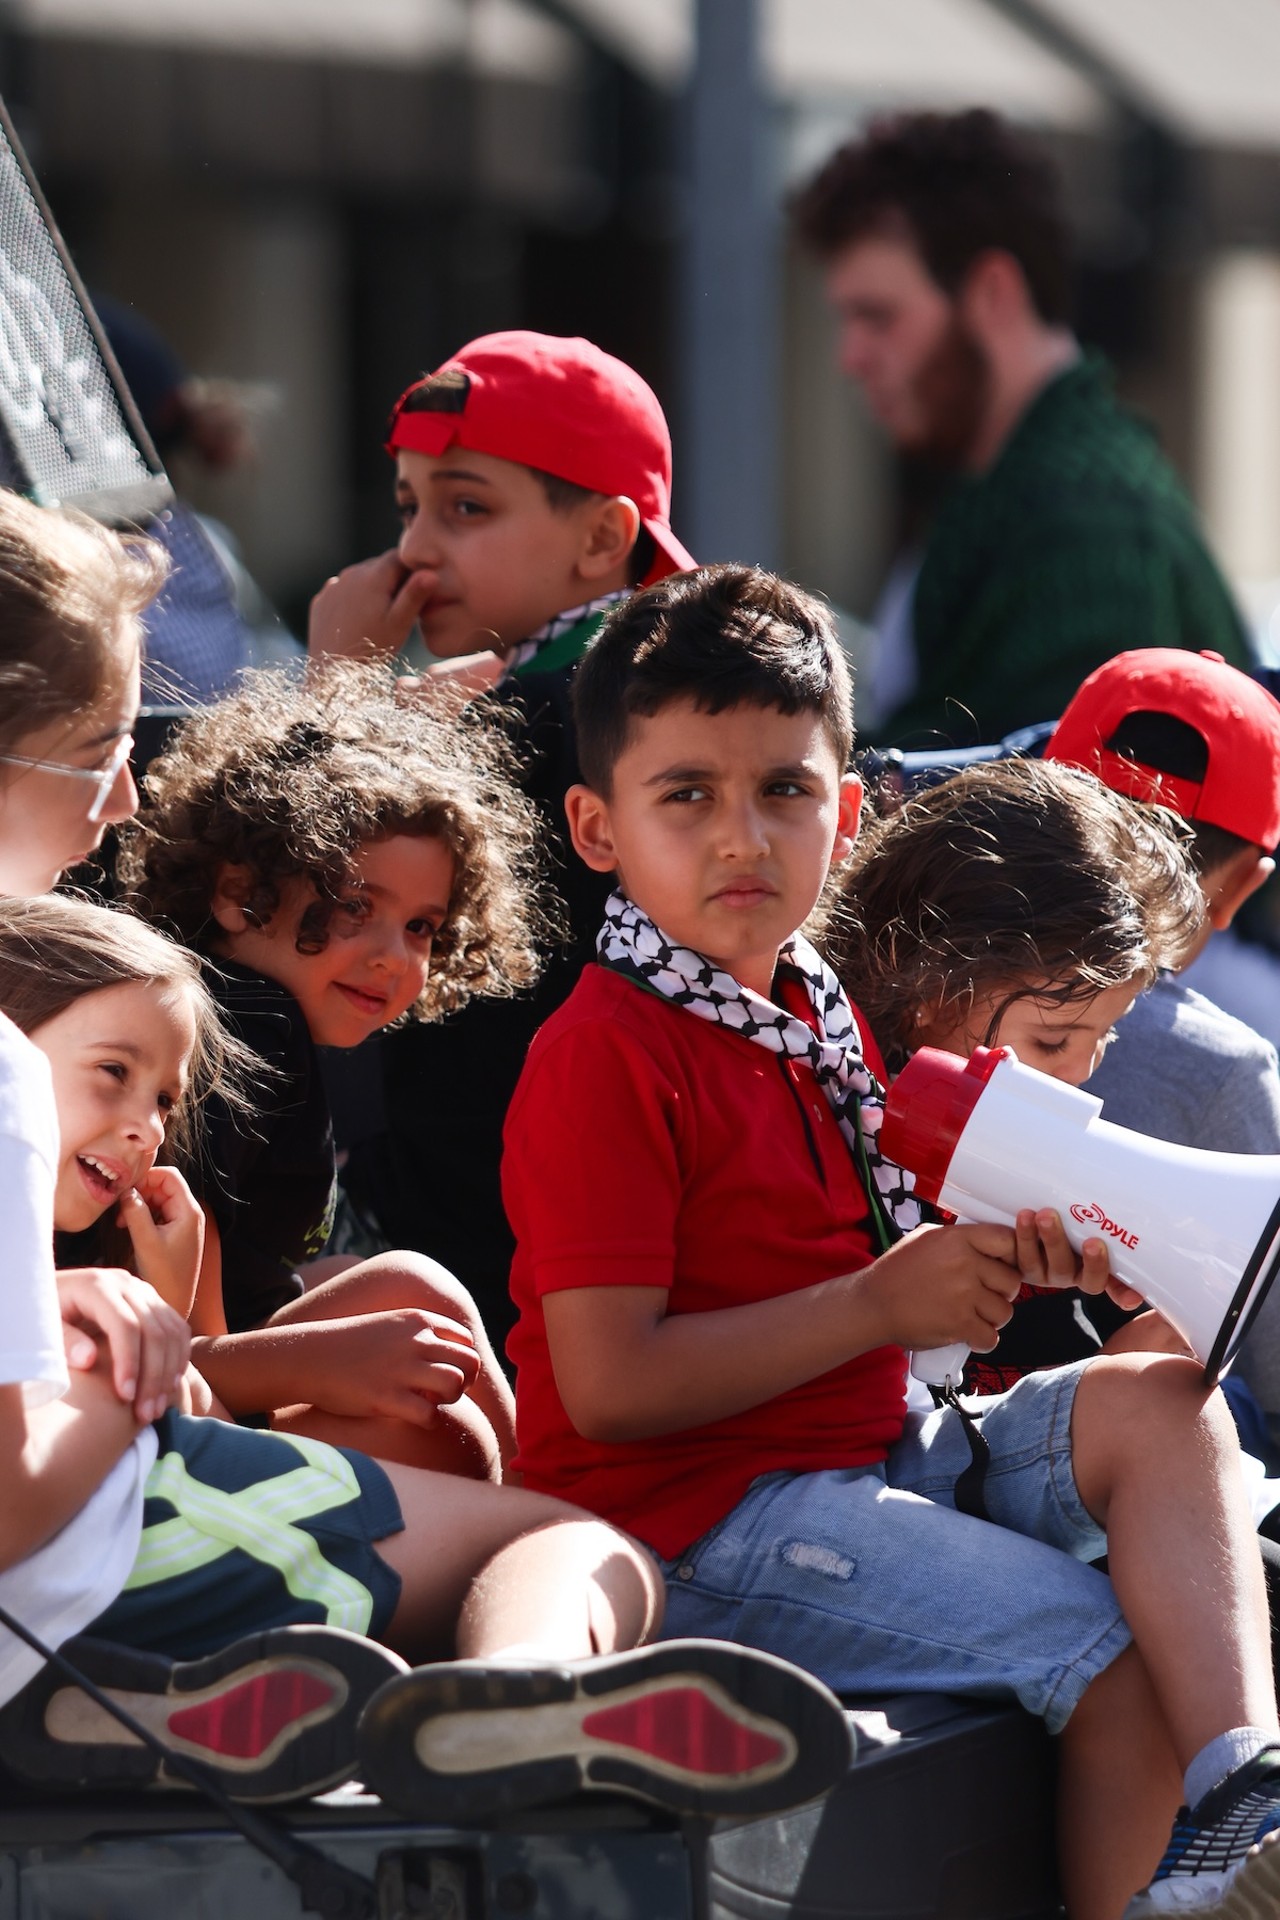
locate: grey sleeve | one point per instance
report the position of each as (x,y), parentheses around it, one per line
(1242,1114)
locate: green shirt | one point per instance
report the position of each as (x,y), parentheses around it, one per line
(1077,544)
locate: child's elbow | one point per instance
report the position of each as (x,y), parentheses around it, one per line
(607,1429)
(604,1418)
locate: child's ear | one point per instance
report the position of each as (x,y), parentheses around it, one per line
(589,829)
(849,815)
(611,530)
(231,890)
(1234,883)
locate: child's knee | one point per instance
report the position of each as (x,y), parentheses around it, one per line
(461,1442)
(1130,1398)
(405,1279)
(441,1289)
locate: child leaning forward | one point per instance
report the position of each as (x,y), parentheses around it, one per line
(1021,904)
(711,1340)
(345,863)
(1017,904)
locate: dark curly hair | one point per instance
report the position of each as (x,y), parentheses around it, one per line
(1017,878)
(290,778)
(962,184)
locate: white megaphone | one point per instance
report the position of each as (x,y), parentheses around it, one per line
(1196,1234)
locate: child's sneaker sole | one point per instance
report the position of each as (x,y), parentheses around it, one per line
(274,1715)
(1254,1894)
(693,1726)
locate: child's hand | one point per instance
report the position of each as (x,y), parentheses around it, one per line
(368,611)
(404,1361)
(166,1227)
(1046,1258)
(942,1285)
(148,1341)
(453,681)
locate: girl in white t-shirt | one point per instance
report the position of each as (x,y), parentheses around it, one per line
(171,1536)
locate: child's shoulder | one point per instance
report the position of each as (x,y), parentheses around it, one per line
(603,996)
(611,1028)
(261,1013)
(624,1057)
(1195,1021)
(609,1015)
(26,1092)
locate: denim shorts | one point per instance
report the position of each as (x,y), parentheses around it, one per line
(243,1530)
(870,1578)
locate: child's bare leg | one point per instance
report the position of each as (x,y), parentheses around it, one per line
(195,1395)
(460,1439)
(393,1280)
(569,1588)
(559,1582)
(1119,1786)
(1157,1463)
(526,1589)
(316,1272)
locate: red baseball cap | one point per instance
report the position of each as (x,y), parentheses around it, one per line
(558,404)
(1238,721)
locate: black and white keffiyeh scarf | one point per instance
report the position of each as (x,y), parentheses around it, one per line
(557,626)
(632,945)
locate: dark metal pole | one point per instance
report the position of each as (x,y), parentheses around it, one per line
(727,458)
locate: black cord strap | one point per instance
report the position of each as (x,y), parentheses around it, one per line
(970,1488)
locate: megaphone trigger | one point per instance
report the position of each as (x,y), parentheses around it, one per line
(940,1366)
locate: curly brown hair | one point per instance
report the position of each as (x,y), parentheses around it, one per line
(290,778)
(1015,877)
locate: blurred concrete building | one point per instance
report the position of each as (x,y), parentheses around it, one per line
(320,198)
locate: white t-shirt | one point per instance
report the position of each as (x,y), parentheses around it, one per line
(65,1584)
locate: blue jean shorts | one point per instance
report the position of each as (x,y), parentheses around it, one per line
(870,1578)
(244,1530)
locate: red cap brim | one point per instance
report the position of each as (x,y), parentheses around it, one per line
(432,433)
(671,556)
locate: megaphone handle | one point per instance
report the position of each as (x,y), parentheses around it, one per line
(936,1365)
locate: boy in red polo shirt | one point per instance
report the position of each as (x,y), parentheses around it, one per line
(717,1274)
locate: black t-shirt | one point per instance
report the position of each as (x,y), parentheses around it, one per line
(267,1177)
(432,1179)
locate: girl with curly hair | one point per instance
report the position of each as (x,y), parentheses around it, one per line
(343,862)
(1018,904)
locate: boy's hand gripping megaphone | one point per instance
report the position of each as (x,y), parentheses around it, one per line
(1197,1234)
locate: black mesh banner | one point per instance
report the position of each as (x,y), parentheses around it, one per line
(70,434)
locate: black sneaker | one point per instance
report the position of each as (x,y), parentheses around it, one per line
(695,1726)
(274,1715)
(1223,1859)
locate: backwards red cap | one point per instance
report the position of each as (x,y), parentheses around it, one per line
(1238,720)
(558,404)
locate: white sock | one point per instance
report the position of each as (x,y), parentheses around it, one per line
(1222,1756)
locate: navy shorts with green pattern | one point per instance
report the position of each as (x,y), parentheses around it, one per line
(244,1530)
